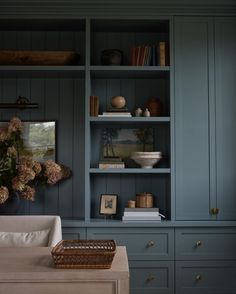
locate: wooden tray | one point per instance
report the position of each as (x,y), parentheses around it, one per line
(11,57)
(90,254)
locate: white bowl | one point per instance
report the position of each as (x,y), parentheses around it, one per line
(146,159)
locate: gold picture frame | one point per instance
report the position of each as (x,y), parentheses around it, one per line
(108,204)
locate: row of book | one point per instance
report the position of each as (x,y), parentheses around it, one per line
(151,55)
(141,214)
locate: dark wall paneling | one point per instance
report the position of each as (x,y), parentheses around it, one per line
(57,101)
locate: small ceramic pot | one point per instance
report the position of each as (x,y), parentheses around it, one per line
(112,57)
(154,105)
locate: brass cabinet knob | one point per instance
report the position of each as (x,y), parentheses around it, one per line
(150,243)
(150,278)
(198,278)
(198,243)
(214,211)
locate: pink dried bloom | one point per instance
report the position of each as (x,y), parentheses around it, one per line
(17,185)
(4,194)
(27,161)
(3,134)
(26,174)
(37,168)
(15,125)
(11,151)
(28,193)
(52,172)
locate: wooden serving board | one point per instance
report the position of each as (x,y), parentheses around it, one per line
(11,57)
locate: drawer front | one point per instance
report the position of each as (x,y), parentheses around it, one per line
(151,277)
(200,244)
(73,233)
(141,244)
(206,277)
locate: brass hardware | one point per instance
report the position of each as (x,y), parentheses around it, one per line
(198,278)
(214,211)
(150,243)
(150,278)
(198,243)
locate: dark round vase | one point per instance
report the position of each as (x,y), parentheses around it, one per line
(11,206)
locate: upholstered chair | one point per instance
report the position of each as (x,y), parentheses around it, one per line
(30,231)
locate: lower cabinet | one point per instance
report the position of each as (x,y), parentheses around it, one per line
(150,253)
(205,260)
(173,260)
(151,277)
(206,277)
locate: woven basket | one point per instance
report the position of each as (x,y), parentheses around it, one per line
(89,254)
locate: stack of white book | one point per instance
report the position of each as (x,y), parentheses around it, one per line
(115,114)
(141,215)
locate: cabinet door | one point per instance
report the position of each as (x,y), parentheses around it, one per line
(192,149)
(225,63)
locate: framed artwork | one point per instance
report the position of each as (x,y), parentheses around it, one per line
(108,204)
(118,142)
(39,139)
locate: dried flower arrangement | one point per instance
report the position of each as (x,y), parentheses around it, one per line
(22,174)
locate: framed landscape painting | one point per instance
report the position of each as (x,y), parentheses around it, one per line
(39,139)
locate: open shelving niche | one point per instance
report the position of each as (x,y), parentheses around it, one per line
(137,84)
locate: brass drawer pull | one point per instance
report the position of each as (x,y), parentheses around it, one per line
(215,211)
(150,243)
(198,243)
(150,278)
(198,278)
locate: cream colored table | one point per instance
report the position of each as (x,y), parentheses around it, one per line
(31,271)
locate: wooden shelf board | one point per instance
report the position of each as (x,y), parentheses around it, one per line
(130,171)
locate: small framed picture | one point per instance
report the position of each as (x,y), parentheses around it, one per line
(108,204)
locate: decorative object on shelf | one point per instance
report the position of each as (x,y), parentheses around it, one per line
(112,57)
(144,214)
(146,159)
(118,102)
(131,203)
(138,112)
(13,57)
(21,103)
(154,105)
(146,113)
(144,200)
(88,254)
(108,204)
(94,105)
(22,174)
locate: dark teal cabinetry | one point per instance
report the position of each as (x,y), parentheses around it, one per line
(192,132)
(204,118)
(225,72)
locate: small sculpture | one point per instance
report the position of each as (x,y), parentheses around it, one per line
(118,102)
(146,113)
(138,112)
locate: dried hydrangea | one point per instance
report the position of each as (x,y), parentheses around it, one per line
(4,194)
(28,193)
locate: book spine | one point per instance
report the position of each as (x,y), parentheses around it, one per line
(111,165)
(142,214)
(141,218)
(162,47)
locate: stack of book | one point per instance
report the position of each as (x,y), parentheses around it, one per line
(111,162)
(151,55)
(141,215)
(116,112)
